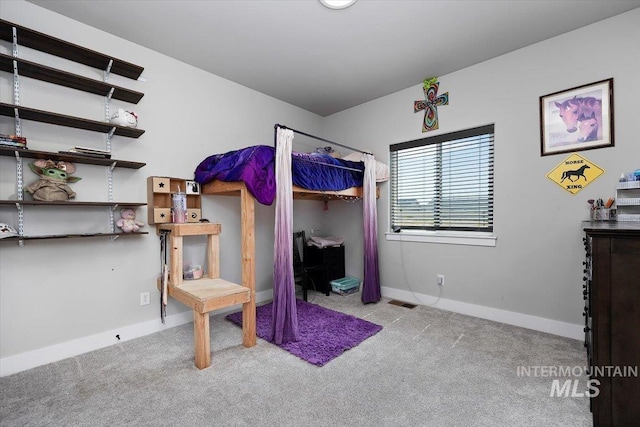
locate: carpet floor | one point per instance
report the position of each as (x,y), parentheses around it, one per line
(426,367)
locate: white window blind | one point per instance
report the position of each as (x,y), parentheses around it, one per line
(444,182)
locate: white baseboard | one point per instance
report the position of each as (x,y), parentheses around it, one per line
(31,359)
(541,324)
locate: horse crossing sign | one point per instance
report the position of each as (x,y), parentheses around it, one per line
(574,173)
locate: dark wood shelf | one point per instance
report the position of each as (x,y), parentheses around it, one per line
(34,154)
(54,46)
(70,236)
(68,121)
(67,203)
(63,49)
(63,78)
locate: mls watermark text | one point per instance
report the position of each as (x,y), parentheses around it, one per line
(563,385)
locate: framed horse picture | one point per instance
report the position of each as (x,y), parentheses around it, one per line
(580,118)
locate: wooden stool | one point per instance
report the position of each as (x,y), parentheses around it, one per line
(210,292)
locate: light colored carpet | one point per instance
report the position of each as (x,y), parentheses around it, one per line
(427,367)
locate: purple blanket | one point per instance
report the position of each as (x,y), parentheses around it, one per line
(255,167)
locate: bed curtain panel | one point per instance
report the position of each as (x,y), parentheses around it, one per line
(371,283)
(284,323)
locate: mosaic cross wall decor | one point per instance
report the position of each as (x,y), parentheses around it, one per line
(430,104)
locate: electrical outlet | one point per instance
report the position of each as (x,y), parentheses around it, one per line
(441,279)
(144,298)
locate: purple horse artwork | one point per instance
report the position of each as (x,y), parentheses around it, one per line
(584,113)
(588,128)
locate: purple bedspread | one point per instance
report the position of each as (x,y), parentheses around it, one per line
(255,167)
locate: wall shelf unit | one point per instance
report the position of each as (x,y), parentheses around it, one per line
(69,203)
(35,154)
(21,36)
(54,46)
(52,118)
(63,78)
(70,236)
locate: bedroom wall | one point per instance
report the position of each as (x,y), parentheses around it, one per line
(62,297)
(533,277)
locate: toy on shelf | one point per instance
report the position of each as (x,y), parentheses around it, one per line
(7,231)
(128,222)
(52,185)
(124,118)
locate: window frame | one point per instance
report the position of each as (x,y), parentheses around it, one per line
(433,232)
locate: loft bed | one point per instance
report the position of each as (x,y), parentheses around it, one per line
(251,174)
(223,188)
(315,176)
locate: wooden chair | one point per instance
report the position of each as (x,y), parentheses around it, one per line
(301,273)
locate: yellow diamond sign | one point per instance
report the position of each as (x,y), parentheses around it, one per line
(574,173)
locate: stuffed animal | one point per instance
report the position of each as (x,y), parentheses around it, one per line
(52,185)
(128,222)
(124,118)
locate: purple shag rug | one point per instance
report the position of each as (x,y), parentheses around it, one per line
(324,334)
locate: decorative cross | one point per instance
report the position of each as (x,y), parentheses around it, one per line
(430,104)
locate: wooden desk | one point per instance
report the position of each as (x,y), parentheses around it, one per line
(208,293)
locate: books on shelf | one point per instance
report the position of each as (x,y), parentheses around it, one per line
(80,153)
(89,152)
(13,141)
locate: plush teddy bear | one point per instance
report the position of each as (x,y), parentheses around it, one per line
(128,221)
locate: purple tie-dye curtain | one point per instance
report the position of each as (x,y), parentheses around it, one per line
(371,284)
(284,323)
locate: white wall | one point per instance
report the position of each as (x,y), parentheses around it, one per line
(61,297)
(533,276)
(58,297)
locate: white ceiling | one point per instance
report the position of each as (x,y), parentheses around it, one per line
(327,60)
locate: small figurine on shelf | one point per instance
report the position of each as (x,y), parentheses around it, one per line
(52,185)
(7,231)
(128,222)
(124,118)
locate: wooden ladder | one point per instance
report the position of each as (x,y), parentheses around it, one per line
(210,292)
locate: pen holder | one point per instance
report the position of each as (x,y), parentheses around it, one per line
(603,214)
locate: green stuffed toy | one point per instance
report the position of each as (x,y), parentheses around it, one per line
(52,185)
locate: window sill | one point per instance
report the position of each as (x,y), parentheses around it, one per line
(450,238)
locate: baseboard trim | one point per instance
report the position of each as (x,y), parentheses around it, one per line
(527,321)
(31,359)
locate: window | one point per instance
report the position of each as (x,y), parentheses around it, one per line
(444,182)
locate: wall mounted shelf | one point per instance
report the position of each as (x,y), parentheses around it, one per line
(21,36)
(67,236)
(35,154)
(63,78)
(68,203)
(26,113)
(54,46)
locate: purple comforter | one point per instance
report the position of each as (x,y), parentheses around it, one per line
(255,167)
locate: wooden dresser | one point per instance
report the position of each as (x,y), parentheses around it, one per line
(612,319)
